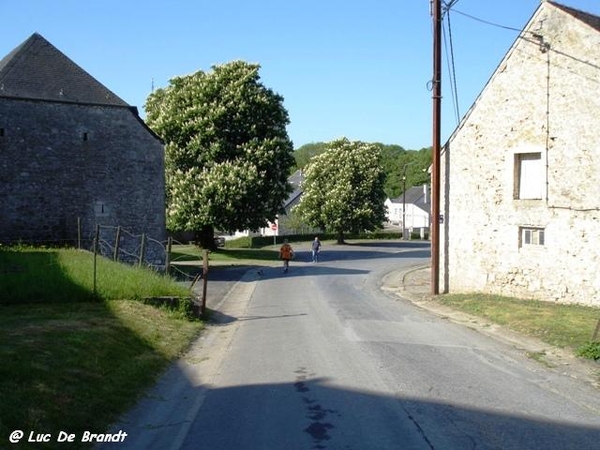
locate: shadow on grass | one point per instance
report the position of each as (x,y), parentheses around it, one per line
(188,253)
(69,364)
(37,277)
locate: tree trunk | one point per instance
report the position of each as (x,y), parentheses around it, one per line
(205,238)
(340,237)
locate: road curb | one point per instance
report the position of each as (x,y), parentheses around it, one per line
(412,285)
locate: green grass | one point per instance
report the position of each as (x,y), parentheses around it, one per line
(57,275)
(563,326)
(245,256)
(73,361)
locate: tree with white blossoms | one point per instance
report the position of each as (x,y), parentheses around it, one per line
(227,151)
(343,189)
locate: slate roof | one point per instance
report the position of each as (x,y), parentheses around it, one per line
(39,71)
(416,196)
(590,19)
(295,180)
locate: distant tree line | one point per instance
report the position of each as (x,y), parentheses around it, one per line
(394,160)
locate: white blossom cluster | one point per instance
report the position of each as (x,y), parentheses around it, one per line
(227,152)
(343,189)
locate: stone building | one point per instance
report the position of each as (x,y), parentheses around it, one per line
(72,152)
(521,173)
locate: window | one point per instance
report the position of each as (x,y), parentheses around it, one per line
(528,176)
(532,236)
(85,136)
(100,209)
(1,132)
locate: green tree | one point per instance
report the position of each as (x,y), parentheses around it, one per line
(227,152)
(413,164)
(304,154)
(343,189)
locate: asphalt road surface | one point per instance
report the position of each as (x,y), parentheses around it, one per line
(323,358)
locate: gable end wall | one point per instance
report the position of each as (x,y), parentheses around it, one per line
(539,100)
(60,162)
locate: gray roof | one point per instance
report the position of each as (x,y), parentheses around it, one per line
(416,196)
(295,180)
(39,71)
(590,19)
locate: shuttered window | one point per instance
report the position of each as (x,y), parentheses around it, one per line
(529,180)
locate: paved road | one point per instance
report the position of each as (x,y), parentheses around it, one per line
(323,358)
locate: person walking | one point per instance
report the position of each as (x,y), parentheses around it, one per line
(316,248)
(286,253)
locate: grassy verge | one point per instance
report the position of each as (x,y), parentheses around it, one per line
(32,275)
(73,361)
(223,255)
(564,326)
(188,258)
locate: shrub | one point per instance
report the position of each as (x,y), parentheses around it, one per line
(591,350)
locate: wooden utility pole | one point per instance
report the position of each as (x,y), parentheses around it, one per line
(436,150)
(204,281)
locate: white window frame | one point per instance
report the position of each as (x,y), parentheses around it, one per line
(532,237)
(528,176)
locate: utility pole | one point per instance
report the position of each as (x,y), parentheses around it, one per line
(436,150)
(404,200)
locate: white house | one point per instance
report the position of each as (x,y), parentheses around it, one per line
(412,209)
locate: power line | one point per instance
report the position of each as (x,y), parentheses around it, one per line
(485,21)
(452,68)
(450,4)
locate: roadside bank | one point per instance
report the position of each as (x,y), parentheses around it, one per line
(414,285)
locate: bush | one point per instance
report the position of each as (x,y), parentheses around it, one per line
(591,350)
(263,241)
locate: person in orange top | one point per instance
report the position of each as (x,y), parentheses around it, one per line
(286,253)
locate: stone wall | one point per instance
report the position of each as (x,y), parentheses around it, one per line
(60,162)
(543,99)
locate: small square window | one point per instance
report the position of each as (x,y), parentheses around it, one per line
(101,209)
(532,236)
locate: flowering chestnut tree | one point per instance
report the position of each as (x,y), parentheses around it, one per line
(343,189)
(227,151)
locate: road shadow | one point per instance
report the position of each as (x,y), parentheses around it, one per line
(218,318)
(313,412)
(302,270)
(346,254)
(388,244)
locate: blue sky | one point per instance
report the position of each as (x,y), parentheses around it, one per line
(350,68)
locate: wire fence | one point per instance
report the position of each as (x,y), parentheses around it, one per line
(119,244)
(123,246)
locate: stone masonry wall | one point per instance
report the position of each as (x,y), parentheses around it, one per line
(60,162)
(543,98)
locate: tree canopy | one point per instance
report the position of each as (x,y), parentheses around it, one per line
(227,151)
(413,164)
(394,158)
(304,154)
(344,188)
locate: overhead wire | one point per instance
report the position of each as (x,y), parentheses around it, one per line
(485,21)
(450,61)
